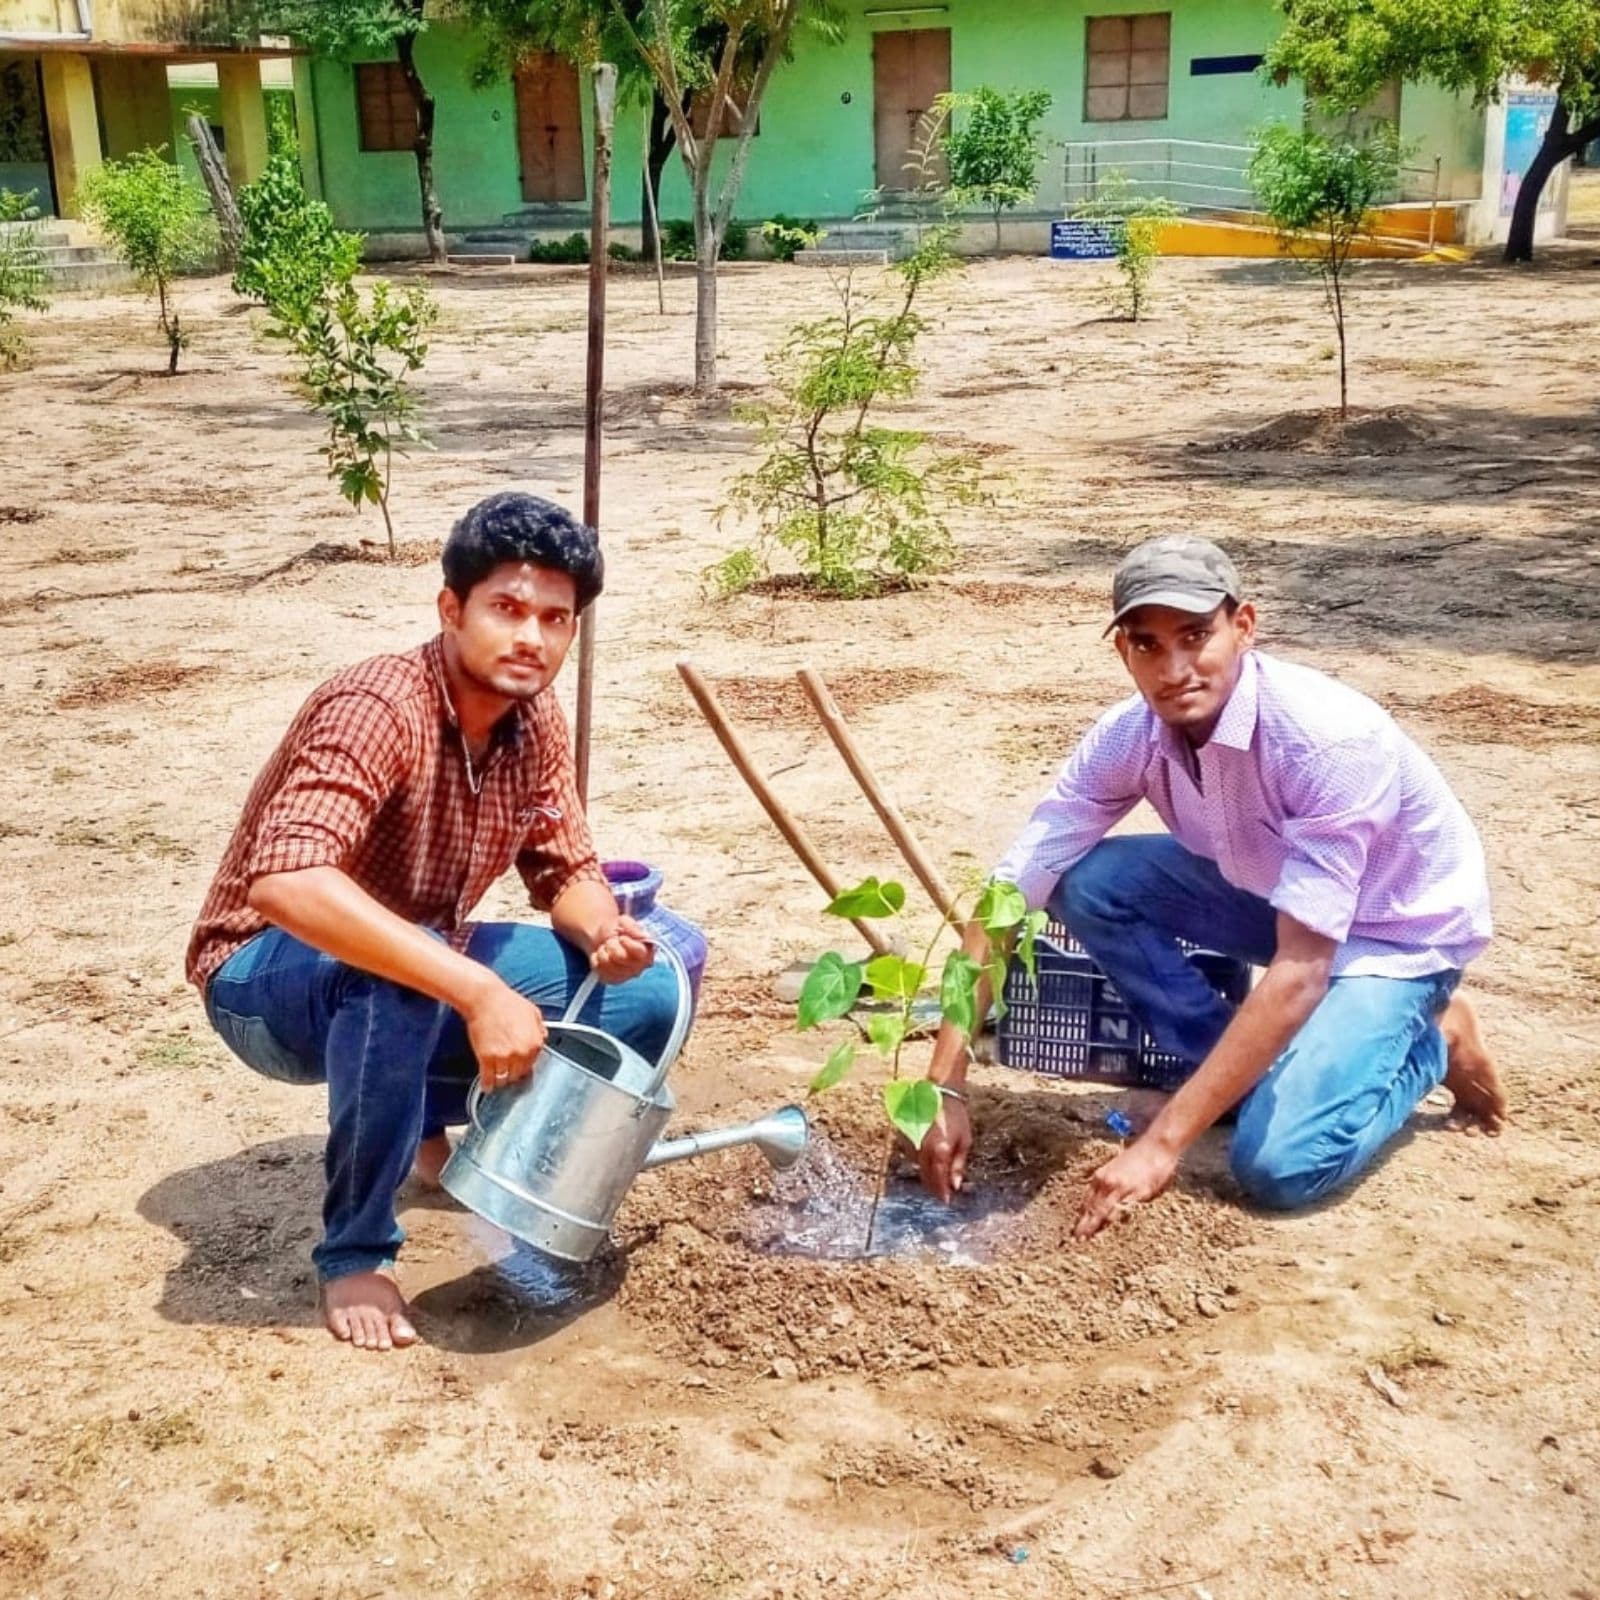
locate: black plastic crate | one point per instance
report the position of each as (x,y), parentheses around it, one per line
(1076,1025)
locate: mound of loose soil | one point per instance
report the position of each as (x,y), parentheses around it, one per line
(407,553)
(781,703)
(1361,433)
(139,680)
(1482,715)
(711,1269)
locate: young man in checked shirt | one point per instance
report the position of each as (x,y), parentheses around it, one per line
(1307,834)
(334,946)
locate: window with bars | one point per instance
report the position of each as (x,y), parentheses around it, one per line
(1128,60)
(387,113)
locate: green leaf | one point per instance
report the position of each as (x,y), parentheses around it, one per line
(869,898)
(997,969)
(1001,906)
(1032,926)
(829,991)
(957,991)
(895,978)
(886,1032)
(834,1068)
(913,1107)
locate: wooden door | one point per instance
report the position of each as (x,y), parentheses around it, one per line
(549,129)
(910,69)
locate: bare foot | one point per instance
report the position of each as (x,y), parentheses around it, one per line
(1471,1075)
(367,1309)
(431,1157)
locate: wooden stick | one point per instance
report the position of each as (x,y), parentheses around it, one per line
(605,98)
(889,814)
(798,840)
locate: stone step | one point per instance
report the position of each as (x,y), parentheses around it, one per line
(484,258)
(66,255)
(102,274)
(827,256)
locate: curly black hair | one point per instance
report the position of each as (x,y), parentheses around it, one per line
(522,527)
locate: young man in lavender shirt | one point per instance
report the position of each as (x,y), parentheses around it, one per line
(1307,834)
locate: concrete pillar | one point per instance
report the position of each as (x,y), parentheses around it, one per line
(69,110)
(305,121)
(244,118)
(135,105)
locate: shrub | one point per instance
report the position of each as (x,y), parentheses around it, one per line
(677,241)
(22,274)
(787,236)
(292,254)
(1132,221)
(994,147)
(159,223)
(570,252)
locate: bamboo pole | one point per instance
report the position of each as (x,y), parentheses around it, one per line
(794,834)
(653,222)
(604,77)
(889,814)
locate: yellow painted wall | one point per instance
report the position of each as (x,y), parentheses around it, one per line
(129,21)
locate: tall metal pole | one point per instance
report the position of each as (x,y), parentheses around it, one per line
(605,106)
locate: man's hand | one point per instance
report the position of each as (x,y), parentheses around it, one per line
(945,1147)
(623,953)
(507,1033)
(1138,1174)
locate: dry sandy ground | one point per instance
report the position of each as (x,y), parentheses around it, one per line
(1181,1409)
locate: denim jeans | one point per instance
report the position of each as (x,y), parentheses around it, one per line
(1348,1080)
(397,1064)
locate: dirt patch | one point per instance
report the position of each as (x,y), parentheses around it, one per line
(1361,433)
(781,703)
(79,556)
(327,553)
(1481,715)
(139,680)
(21,514)
(709,1272)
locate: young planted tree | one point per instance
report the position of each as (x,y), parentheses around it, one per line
(357,355)
(1132,221)
(1319,193)
(290,255)
(346,28)
(994,147)
(904,990)
(856,503)
(1344,51)
(159,223)
(22,273)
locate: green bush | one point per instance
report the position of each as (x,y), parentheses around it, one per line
(22,275)
(787,236)
(160,224)
(677,241)
(291,254)
(573,251)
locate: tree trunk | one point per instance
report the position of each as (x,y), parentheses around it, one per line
(705,305)
(658,151)
(432,216)
(1559,142)
(214,173)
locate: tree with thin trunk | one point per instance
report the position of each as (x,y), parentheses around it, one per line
(709,63)
(346,28)
(1344,51)
(1319,193)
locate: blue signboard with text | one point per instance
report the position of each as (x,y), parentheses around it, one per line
(1078,239)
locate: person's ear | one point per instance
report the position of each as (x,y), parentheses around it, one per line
(1244,625)
(449,610)
(1120,638)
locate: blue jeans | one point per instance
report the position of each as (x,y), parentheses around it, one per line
(1349,1079)
(397,1064)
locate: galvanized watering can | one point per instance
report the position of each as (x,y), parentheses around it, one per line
(550,1157)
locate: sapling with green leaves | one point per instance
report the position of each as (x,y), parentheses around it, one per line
(291,255)
(994,147)
(159,222)
(358,353)
(22,271)
(1319,193)
(857,504)
(904,987)
(1132,221)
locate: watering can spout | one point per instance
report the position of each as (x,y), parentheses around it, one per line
(781,1137)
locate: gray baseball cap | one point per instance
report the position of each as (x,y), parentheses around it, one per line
(1174,570)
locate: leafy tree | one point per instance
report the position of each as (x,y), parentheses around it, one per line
(855,502)
(345,28)
(159,223)
(1319,193)
(709,62)
(1346,50)
(357,355)
(994,147)
(1133,223)
(291,253)
(22,274)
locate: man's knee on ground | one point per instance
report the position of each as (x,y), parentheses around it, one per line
(1282,1179)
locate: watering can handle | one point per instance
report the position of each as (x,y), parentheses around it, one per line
(669,1052)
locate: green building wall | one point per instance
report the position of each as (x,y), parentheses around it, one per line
(813,156)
